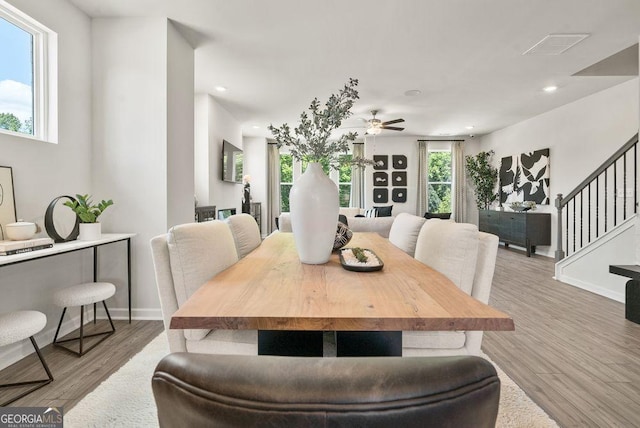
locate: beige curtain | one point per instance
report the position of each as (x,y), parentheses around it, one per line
(273,185)
(458,182)
(423,174)
(357,178)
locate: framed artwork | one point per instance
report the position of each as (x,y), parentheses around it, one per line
(399,162)
(380,179)
(380,196)
(382,161)
(7,200)
(525,177)
(399,195)
(399,178)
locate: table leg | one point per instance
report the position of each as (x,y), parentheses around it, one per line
(95,264)
(369,343)
(129,275)
(290,343)
(632,301)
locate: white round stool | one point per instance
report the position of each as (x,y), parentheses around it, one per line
(81,295)
(18,326)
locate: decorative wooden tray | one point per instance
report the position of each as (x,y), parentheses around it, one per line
(375,265)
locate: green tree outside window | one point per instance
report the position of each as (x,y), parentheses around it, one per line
(439,189)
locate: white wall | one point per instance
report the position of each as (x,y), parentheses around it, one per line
(255,164)
(43,171)
(180,128)
(143,149)
(214,124)
(580,136)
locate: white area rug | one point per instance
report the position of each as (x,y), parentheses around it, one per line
(126,400)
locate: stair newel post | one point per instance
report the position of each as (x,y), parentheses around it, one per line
(559,252)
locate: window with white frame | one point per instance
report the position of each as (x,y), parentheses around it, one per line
(439,181)
(290,169)
(25,92)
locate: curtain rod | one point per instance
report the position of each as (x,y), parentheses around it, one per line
(455,141)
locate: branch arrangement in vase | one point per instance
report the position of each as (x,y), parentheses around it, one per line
(310,140)
(86,210)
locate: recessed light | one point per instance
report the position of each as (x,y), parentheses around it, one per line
(469,127)
(413,92)
(255,126)
(220,88)
(550,88)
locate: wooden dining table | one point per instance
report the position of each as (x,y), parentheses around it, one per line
(270,289)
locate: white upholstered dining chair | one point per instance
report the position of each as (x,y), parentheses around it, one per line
(184,259)
(405,230)
(468,258)
(246,233)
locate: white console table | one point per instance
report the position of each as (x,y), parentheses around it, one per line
(68,247)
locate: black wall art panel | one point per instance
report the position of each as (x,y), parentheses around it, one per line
(399,162)
(382,161)
(399,195)
(380,196)
(380,179)
(399,178)
(525,177)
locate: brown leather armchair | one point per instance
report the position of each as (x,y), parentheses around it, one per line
(198,390)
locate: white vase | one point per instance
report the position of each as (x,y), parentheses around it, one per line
(90,232)
(314,206)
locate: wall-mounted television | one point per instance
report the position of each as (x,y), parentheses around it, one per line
(232,165)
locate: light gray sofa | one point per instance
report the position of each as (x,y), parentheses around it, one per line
(380,225)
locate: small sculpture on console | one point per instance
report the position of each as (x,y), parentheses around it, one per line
(246,194)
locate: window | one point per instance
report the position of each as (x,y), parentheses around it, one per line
(24,65)
(290,169)
(439,182)
(286,181)
(344,181)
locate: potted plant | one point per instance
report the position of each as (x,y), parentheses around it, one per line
(88,213)
(313,198)
(483,177)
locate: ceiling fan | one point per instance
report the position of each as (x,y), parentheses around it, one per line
(375,126)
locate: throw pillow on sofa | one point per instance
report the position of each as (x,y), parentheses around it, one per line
(384,211)
(371,212)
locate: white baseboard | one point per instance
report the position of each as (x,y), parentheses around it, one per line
(14,353)
(593,288)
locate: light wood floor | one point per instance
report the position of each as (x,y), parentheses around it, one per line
(572,352)
(76,377)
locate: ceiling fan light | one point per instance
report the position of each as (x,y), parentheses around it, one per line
(374,130)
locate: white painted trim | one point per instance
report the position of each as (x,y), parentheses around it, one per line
(600,241)
(593,288)
(563,264)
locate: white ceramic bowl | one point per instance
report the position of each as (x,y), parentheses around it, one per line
(20,231)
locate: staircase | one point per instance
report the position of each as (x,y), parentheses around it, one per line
(597,225)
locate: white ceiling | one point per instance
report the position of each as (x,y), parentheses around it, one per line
(465,56)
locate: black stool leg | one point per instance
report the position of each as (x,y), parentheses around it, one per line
(113,328)
(82,336)
(94,313)
(81,327)
(38,383)
(55,338)
(44,363)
